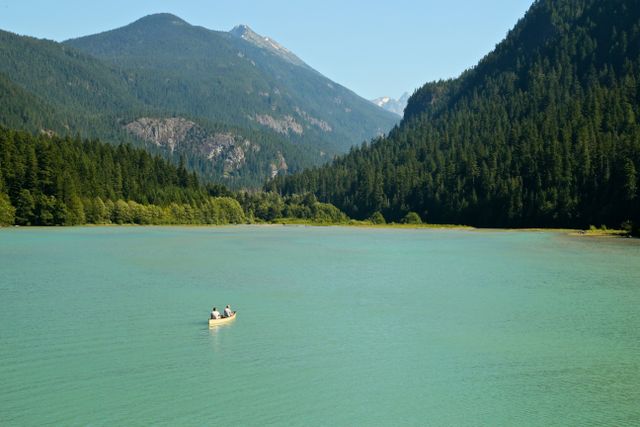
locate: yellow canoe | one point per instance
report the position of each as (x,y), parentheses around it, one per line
(221,321)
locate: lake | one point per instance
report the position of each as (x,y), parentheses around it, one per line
(336,326)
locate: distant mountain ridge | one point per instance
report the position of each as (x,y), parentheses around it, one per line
(395,106)
(162,71)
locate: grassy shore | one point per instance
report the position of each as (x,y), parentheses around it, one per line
(365,224)
(592,232)
(601,233)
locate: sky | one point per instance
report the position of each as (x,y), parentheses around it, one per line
(373,47)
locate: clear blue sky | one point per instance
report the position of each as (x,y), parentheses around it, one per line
(374,47)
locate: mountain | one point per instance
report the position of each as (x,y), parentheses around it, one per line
(542,132)
(395,106)
(238,78)
(252,108)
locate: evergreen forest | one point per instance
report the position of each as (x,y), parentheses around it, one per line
(543,132)
(48,180)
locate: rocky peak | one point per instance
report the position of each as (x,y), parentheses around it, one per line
(396,106)
(247,34)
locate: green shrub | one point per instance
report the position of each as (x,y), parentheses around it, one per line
(412,218)
(377,218)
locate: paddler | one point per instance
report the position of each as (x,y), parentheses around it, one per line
(227,311)
(215,314)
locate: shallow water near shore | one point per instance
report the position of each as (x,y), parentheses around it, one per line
(107,326)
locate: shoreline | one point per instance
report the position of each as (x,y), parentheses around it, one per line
(573,232)
(598,233)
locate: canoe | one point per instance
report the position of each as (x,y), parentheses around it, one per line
(222,320)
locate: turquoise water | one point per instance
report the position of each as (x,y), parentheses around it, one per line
(340,326)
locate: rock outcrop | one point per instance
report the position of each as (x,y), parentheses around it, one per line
(280,165)
(162,132)
(284,126)
(321,124)
(177,133)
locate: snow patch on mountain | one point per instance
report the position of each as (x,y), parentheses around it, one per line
(396,106)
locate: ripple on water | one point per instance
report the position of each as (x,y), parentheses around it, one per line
(107,326)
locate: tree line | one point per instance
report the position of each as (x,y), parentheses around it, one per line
(48,180)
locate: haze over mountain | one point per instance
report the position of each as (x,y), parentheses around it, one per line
(395,106)
(542,132)
(238,106)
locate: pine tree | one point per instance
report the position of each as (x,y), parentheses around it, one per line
(7,211)
(25,207)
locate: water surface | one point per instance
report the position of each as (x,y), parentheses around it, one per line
(342,326)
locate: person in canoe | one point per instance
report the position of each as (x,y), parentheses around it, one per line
(215,314)
(227,311)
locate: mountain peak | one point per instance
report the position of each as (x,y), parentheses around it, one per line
(161,18)
(395,106)
(243,31)
(247,34)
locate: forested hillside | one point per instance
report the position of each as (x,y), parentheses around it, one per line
(45,86)
(56,181)
(544,131)
(48,180)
